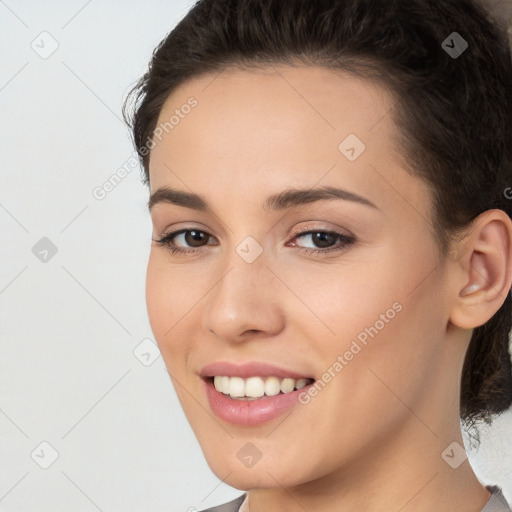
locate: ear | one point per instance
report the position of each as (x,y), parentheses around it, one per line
(483,274)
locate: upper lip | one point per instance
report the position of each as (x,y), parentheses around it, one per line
(249,369)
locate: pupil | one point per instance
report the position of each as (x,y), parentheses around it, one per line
(320,239)
(193,237)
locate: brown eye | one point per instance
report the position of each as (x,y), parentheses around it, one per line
(325,241)
(194,238)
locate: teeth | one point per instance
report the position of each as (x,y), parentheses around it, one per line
(236,387)
(301,383)
(256,387)
(217,382)
(287,385)
(272,386)
(225,385)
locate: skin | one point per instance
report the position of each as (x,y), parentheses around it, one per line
(372,439)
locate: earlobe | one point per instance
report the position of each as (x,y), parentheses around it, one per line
(484,274)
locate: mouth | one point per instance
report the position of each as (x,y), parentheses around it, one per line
(252,392)
(257,387)
(228,397)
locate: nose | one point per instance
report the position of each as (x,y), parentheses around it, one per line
(245,302)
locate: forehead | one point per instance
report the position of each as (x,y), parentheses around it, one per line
(277,126)
(281,98)
(271,107)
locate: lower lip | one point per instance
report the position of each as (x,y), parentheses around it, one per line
(250,412)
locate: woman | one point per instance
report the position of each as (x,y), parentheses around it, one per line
(329,281)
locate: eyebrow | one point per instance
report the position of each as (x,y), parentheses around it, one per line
(288,198)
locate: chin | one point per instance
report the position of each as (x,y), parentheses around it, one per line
(245,479)
(266,474)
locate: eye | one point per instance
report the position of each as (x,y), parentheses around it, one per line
(197,240)
(324,241)
(193,237)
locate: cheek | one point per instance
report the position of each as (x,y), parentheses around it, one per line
(168,298)
(340,303)
(389,336)
(157,298)
(387,316)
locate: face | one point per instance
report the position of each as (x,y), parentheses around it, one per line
(344,288)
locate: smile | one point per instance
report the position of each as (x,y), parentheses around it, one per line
(252,411)
(253,388)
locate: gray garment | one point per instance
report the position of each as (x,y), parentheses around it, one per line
(232,506)
(496,503)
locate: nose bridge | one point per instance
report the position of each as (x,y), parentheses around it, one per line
(243,298)
(245,272)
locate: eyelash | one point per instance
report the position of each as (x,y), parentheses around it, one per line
(346,241)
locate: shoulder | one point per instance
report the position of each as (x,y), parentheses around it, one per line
(497,502)
(232,506)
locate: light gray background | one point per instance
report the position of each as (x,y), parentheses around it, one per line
(79,369)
